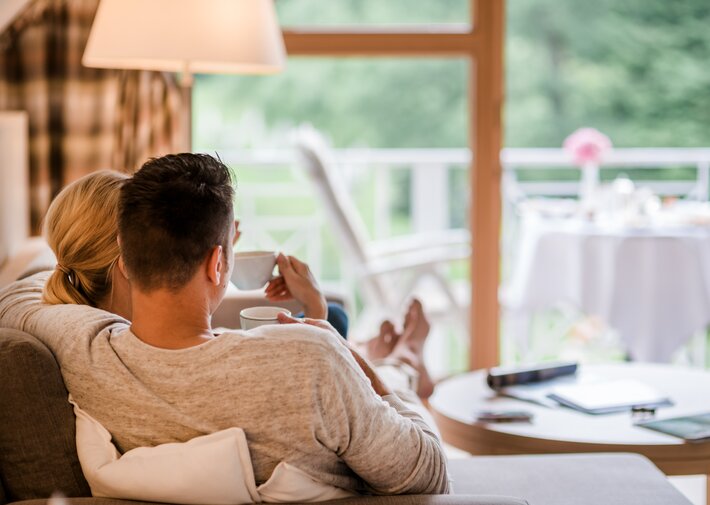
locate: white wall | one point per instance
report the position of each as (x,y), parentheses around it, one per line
(14,183)
(14,174)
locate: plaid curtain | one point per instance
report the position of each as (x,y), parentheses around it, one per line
(148,120)
(81,119)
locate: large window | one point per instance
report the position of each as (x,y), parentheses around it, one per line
(638,72)
(401,91)
(392,123)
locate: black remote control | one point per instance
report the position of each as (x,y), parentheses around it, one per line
(501,377)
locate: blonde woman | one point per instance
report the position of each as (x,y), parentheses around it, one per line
(81,229)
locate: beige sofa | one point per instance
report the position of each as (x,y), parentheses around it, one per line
(38,453)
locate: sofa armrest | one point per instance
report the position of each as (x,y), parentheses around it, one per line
(33,256)
(562,479)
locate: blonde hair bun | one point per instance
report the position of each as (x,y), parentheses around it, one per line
(81,228)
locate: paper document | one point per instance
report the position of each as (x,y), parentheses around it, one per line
(608,396)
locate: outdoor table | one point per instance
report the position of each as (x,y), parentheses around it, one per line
(652,284)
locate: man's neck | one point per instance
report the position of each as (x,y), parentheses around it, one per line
(171,319)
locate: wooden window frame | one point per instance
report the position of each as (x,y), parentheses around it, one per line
(482,43)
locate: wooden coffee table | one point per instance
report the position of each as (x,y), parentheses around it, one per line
(562,430)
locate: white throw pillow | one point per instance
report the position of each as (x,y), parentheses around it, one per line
(212,469)
(289,484)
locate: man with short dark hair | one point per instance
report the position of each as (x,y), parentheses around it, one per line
(171,213)
(298,392)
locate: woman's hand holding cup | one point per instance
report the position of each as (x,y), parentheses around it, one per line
(295,281)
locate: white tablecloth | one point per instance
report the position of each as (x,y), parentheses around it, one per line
(652,285)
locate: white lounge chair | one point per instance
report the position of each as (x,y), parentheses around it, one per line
(388,270)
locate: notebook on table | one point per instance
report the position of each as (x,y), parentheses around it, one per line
(608,396)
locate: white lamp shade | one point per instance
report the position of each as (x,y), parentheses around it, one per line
(194,36)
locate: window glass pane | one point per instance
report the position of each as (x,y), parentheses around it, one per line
(638,72)
(371,12)
(397,130)
(365,102)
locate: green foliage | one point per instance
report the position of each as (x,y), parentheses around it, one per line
(350,12)
(357,102)
(638,70)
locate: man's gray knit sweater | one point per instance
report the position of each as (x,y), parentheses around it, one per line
(295,390)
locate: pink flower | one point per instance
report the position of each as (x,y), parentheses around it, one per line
(587,146)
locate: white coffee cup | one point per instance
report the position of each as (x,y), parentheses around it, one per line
(253,269)
(254,317)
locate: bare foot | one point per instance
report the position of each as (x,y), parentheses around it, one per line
(382,345)
(416,326)
(410,346)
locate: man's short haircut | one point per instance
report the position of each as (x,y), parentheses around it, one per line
(173,211)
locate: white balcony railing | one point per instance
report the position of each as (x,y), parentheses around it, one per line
(430,188)
(518,160)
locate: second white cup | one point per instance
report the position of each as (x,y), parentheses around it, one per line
(253,317)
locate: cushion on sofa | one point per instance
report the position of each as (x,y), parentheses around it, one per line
(37,426)
(214,468)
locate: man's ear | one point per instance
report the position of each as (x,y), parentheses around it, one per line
(214,265)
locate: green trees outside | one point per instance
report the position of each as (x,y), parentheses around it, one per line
(371,12)
(358,102)
(639,70)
